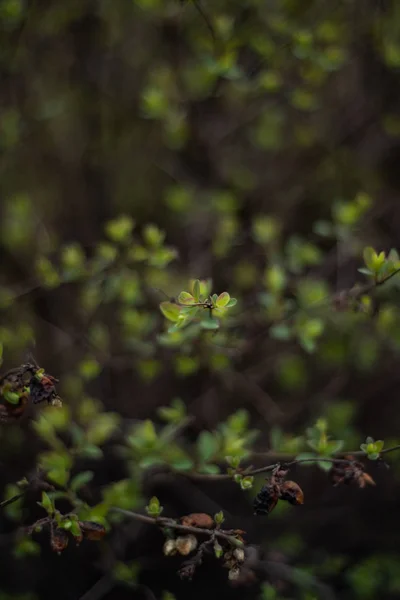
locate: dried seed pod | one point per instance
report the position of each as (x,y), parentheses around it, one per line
(92,531)
(229,560)
(169,547)
(266,500)
(351,472)
(186,544)
(58,540)
(42,387)
(238,553)
(201,520)
(291,492)
(234,573)
(365,479)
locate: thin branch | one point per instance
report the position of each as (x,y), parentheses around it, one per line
(12,499)
(206,20)
(170,523)
(285,465)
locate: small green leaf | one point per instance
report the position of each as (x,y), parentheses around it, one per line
(219,518)
(11,397)
(91,451)
(207,445)
(186,298)
(47,504)
(280,332)
(247,482)
(373,455)
(369,255)
(153,235)
(120,229)
(196,290)
(233,461)
(80,480)
(183,464)
(75,529)
(306,456)
(324,465)
(180,324)
(101,428)
(170,310)
(379,444)
(210,469)
(223,300)
(334,446)
(232,302)
(365,271)
(210,323)
(154,509)
(218,550)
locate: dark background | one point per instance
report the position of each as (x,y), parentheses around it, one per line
(203,118)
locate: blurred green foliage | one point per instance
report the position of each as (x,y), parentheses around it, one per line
(159,161)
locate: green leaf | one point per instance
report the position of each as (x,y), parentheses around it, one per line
(91,451)
(369,255)
(101,428)
(207,445)
(247,482)
(232,302)
(223,300)
(47,504)
(219,518)
(218,550)
(324,465)
(180,324)
(280,332)
(210,323)
(186,298)
(233,461)
(120,229)
(11,397)
(183,464)
(334,446)
(80,480)
(365,271)
(75,529)
(210,469)
(379,444)
(373,455)
(308,344)
(196,290)
(58,476)
(306,456)
(153,236)
(154,509)
(170,310)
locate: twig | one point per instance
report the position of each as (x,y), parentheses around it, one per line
(285,465)
(12,499)
(170,523)
(206,19)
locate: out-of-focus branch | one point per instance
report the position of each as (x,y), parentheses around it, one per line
(226,535)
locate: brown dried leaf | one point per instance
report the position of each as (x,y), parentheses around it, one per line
(201,520)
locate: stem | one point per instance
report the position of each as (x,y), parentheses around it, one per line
(166,522)
(11,500)
(287,464)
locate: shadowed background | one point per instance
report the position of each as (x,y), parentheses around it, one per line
(255,143)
